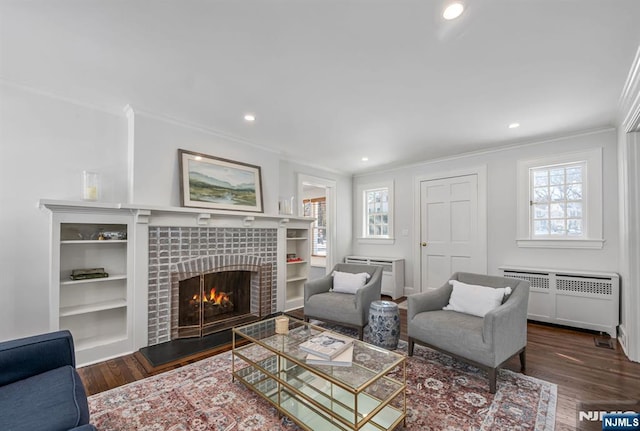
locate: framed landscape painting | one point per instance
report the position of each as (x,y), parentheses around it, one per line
(215,183)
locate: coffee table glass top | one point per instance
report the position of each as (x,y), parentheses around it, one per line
(369,362)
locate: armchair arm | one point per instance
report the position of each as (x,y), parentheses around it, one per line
(319,285)
(34,355)
(433,300)
(369,292)
(506,326)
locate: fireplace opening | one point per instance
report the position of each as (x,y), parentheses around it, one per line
(214,293)
(206,301)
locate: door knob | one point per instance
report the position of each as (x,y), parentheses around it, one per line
(424,244)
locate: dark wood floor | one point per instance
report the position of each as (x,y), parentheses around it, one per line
(569,358)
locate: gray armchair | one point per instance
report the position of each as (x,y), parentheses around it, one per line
(486,342)
(350,310)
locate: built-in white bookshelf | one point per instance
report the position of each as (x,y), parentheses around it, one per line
(97,311)
(294,253)
(297,264)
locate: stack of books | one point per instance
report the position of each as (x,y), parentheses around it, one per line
(329,349)
(85,274)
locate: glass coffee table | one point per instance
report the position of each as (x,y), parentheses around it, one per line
(319,397)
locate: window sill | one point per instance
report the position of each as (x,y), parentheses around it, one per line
(376,240)
(591,244)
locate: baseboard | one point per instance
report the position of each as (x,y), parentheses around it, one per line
(622,339)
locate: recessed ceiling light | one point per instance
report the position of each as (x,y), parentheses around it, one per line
(514,125)
(197,158)
(453,11)
(365,159)
(250,117)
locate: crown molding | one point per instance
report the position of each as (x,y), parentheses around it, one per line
(629,103)
(199,128)
(486,151)
(113,110)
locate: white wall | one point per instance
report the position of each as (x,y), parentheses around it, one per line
(155,162)
(45,144)
(501,185)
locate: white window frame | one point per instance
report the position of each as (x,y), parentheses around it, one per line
(592,208)
(315,228)
(363,235)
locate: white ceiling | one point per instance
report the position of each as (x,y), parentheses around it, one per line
(331,81)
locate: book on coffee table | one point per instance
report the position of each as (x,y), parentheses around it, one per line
(343,359)
(326,345)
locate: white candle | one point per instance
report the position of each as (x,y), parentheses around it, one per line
(90,186)
(282,325)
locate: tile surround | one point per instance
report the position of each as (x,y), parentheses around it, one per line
(169,246)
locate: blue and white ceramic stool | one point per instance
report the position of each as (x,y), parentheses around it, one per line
(384,324)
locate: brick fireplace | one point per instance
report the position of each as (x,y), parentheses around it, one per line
(191,250)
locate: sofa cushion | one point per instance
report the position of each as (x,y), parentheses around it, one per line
(54,400)
(475,299)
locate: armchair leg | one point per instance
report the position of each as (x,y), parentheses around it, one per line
(411,346)
(523,360)
(493,374)
(306,319)
(361,333)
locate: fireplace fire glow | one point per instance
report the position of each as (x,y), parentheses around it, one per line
(213,297)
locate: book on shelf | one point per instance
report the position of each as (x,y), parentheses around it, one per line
(85,274)
(326,345)
(343,359)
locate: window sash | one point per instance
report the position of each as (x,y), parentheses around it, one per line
(557,199)
(376,204)
(317,208)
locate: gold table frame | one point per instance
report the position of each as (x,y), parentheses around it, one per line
(360,397)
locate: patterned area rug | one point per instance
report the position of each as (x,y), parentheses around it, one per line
(442,394)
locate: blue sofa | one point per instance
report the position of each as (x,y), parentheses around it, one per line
(40,388)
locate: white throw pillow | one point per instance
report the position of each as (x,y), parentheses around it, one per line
(347,282)
(474,299)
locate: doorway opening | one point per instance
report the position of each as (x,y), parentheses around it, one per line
(318,201)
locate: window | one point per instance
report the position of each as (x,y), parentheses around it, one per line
(560,201)
(557,200)
(317,208)
(376,210)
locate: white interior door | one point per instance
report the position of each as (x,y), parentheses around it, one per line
(450,238)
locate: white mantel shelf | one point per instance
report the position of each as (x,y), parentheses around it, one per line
(144,212)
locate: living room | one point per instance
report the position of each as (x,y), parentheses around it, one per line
(118,90)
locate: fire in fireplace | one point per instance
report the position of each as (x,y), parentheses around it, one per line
(207,300)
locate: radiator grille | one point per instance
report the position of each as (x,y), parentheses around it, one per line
(537,281)
(595,286)
(583,299)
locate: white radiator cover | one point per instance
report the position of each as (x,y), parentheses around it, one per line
(581,299)
(392,272)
